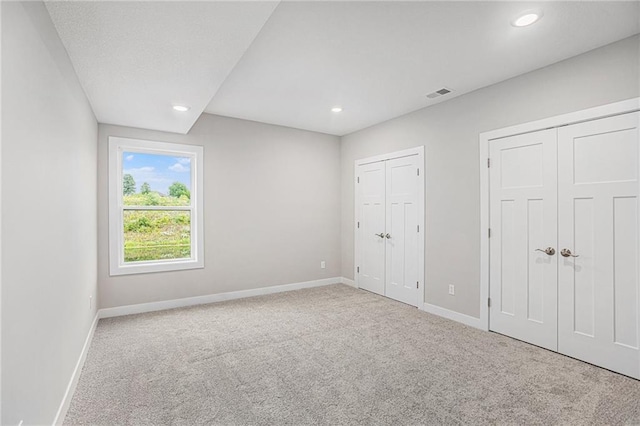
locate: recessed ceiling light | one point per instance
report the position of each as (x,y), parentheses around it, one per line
(527,18)
(336,109)
(181,108)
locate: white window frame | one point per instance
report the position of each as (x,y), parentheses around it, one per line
(117,265)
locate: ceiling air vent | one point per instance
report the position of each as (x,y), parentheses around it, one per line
(438,93)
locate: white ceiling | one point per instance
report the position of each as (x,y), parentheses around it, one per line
(135,59)
(377,60)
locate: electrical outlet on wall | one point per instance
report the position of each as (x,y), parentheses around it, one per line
(452,289)
(323,264)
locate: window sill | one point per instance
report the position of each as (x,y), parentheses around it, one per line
(148,268)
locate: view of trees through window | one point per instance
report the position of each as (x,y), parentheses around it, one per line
(164,230)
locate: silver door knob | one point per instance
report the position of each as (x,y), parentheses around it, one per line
(381,235)
(567,253)
(549,250)
(388,236)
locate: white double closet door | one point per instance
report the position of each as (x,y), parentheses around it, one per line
(387,228)
(564,246)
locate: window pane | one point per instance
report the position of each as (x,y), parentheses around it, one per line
(155,180)
(156,235)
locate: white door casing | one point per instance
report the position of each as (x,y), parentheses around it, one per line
(599,294)
(598,242)
(395,182)
(402,221)
(523,205)
(370,252)
(608,110)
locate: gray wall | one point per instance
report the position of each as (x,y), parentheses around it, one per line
(48,216)
(449,131)
(271,211)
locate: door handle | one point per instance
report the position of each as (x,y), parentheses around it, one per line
(567,253)
(549,250)
(381,235)
(388,236)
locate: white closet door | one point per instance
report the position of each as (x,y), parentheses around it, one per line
(372,241)
(598,221)
(402,229)
(523,206)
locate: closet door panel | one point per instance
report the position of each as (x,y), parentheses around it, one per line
(370,254)
(402,211)
(599,294)
(523,209)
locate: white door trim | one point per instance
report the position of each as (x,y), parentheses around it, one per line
(419,151)
(617,108)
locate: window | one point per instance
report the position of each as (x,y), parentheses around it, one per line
(155,206)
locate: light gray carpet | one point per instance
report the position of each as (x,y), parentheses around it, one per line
(332,355)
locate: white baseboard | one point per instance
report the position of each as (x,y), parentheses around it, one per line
(453,315)
(211,298)
(73,382)
(437,310)
(348,282)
